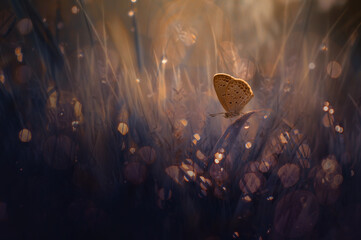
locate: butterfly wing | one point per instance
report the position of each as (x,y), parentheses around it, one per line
(221,81)
(238,94)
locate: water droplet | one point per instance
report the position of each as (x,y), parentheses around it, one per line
(248,145)
(164,60)
(339,129)
(218,156)
(131,13)
(311,66)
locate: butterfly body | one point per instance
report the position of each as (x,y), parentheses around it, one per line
(233,93)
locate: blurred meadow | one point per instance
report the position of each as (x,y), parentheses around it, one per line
(106,130)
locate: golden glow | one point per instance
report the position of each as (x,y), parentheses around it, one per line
(339,129)
(247,198)
(2,77)
(164,60)
(197,137)
(20,58)
(283,138)
(248,145)
(191,174)
(264,166)
(75,9)
(218,156)
(131,13)
(132,150)
(25,135)
(270,198)
(184,122)
(123,128)
(329,164)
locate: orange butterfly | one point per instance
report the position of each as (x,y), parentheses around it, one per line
(233,93)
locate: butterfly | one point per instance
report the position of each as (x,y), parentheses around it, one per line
(233,93)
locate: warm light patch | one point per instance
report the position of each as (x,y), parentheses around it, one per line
(75,9)
(329,165)
(197,137)
(218,156)
(289,174)
(132,150)
(184,122)
(164,60)
(327,120)
(334,69)
(25,135)
(283,137)
(123,128)
(339,129)
(2,77)
(311,66)
(200,155)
